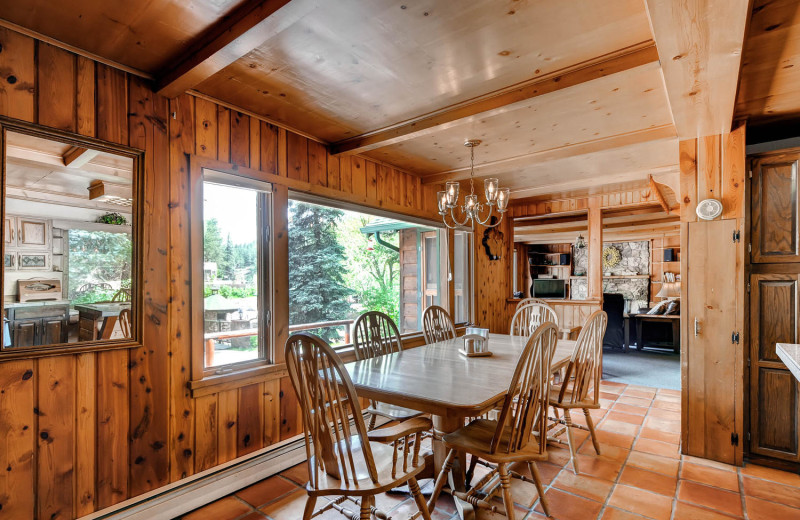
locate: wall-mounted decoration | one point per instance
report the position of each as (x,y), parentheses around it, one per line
(10,261)
(493,241)
(611,257)
(33,261)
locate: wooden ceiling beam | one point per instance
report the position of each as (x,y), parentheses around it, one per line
(500,101)
(700,48)
(77,157)
(622,224)
(233,37)
(625,212)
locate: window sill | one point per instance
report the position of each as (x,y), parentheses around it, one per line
(218,383)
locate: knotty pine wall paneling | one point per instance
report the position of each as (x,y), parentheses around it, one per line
(82,432)
(493,281)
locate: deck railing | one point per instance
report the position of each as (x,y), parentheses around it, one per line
(210,337)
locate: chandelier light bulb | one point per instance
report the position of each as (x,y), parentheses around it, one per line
(490,187)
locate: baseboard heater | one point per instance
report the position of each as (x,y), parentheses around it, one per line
(186,495)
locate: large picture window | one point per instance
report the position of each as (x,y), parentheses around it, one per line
(235,278)
(343,263)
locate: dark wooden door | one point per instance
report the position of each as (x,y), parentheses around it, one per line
(775,209)
(25,332)
(773,389)
(52,331)
(711,375)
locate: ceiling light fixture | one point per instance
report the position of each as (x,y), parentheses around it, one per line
(471,209)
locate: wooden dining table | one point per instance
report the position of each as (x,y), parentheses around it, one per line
(438,380)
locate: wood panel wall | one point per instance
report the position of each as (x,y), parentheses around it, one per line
(712,167)
(493,280)
(83,432)
(618,199)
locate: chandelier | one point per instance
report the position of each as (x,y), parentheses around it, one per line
(471,209)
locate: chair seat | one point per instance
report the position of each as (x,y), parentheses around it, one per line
(476,439)
(363,485)
(390,411)
(555,390)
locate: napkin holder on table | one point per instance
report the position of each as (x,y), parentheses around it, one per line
(475,345)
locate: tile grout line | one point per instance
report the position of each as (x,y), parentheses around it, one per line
(625,462)
(740,481)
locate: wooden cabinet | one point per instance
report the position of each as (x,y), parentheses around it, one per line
(773,389)
(38,325)
(32,233)
(10,231)
(775,209)
(26,233)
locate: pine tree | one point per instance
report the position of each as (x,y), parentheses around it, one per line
(212,242)
(316,265)
(227,262)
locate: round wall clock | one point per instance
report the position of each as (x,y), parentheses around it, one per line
(709,209)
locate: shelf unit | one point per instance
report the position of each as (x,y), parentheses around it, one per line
(546,258)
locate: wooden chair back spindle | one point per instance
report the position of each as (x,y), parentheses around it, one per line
(125,322)
(437,325)
(327,400)
(530,316)
(375,335)
(524,412)
(583,371)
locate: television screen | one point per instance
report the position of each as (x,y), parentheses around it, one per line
(549,288)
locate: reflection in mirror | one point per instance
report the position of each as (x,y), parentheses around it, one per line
(67,243)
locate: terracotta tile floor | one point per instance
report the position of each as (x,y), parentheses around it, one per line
(640,474)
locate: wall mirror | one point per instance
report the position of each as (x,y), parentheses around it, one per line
(70,222)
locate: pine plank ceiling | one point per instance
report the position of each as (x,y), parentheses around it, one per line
(567,97)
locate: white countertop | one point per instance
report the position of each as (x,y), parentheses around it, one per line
(790,355)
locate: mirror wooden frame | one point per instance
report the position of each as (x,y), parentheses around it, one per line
(137,297)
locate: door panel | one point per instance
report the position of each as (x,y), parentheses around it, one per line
(773,398)
(776,430)
(32,233)
(777,312)
(52,331)
(711,378)
(10,231)
(775,210)
(25,333)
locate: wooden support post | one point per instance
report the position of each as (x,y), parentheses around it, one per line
(595,271)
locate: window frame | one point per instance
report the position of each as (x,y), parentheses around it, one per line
(137,249)
(202,171)
(443,239)
(469,274)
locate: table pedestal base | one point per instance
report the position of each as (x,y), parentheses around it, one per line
(457,481)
